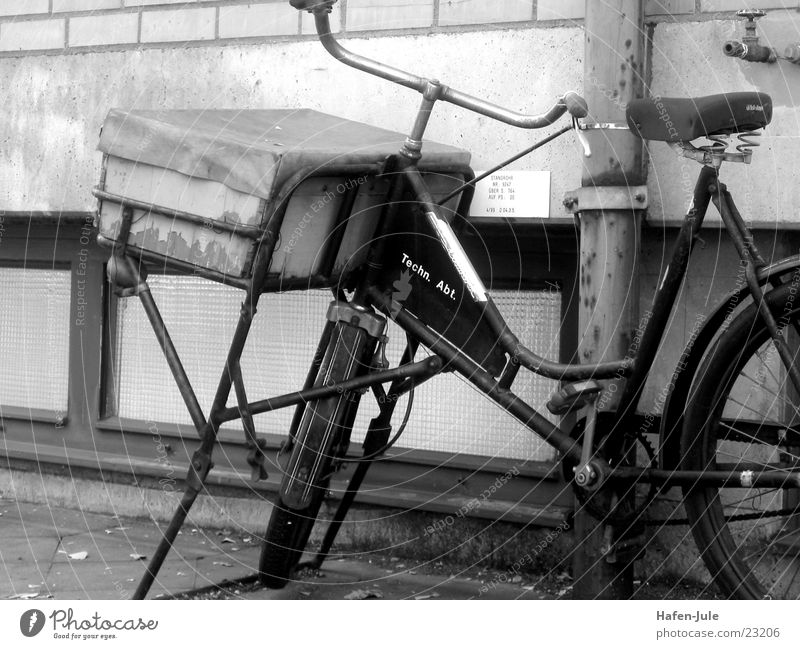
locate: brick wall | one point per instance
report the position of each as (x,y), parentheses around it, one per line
(58,25)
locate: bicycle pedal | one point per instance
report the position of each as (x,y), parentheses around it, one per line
(573,396)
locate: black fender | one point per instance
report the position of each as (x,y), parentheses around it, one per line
(693,354)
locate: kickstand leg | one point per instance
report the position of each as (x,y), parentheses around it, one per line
(341,514)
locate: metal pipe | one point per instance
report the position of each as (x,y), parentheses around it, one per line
(754,52)
(733,478)
(246,231)
(425,367)
(480,378)
(419,84)
(173,360)
(661,310)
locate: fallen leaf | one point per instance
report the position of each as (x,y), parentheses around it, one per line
(247,539)
(364,594)
(78,556)
(516,579)
(423,597)
(137,557)
(228,539)
(223,563)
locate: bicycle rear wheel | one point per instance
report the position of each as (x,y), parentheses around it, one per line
(744,414)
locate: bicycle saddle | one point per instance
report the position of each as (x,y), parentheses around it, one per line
(683,120)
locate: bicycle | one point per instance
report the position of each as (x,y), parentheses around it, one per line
(731,394)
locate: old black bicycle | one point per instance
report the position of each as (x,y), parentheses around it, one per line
(292,200)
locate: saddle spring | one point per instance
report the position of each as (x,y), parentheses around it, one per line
(715,150)
(718,143)
(747,141)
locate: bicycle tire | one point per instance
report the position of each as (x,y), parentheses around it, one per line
(348,354)
(734,410)
(286,537)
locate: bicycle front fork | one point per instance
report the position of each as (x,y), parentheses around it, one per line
(321,434)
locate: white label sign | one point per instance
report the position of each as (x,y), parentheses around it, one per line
(513,194)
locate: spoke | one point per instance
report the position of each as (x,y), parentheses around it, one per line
(796,571)
(742,464)
(753,497)
(762,387)
(772,374)
(775,539)
(756,439)
(750,408)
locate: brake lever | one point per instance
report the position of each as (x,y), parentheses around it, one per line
(576,125)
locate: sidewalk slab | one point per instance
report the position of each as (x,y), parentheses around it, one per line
(348,579)
(42,555)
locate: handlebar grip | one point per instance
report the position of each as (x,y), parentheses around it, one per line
(576,105)
(311,5)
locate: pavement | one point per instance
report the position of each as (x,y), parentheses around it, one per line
(65,554)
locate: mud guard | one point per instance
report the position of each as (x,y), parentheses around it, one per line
(693,354)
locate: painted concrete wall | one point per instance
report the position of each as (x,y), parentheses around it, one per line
(64,63)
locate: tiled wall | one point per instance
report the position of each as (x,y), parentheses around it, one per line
(58,25)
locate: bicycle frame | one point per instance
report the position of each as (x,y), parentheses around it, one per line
(371,291)
(635,370)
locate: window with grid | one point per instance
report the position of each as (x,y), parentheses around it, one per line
(448,415)
(34,338)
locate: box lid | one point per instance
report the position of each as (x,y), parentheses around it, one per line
(255,151)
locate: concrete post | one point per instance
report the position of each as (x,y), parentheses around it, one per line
(609,291)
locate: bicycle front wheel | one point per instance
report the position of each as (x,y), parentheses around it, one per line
(318,444)
(744,415)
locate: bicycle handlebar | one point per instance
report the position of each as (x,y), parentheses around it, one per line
(571,102)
